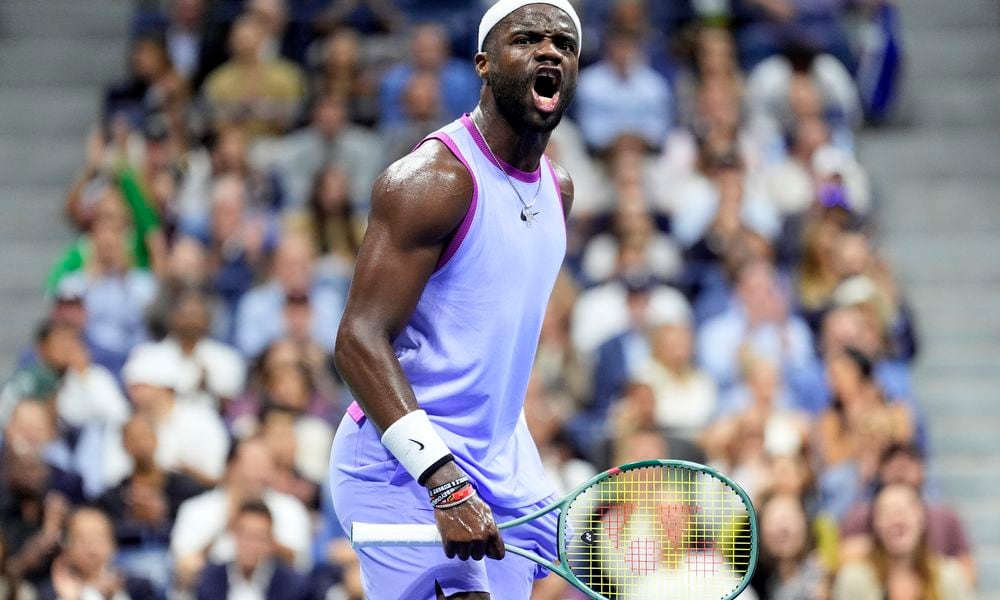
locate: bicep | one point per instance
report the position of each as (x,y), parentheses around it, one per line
(390,274)
(415,208)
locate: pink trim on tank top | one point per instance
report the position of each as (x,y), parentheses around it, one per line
(485,149)
(466,224)
(354,411)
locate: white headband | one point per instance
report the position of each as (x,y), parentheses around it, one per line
(499,11)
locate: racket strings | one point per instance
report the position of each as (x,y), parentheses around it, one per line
(659,531)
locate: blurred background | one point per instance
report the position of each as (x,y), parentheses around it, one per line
(782,262)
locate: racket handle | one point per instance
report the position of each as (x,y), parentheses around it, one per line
(370,535)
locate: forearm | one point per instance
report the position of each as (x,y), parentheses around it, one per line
(34,552)
(370,368)
(369,365)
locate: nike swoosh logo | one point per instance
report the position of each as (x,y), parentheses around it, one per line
(421,449)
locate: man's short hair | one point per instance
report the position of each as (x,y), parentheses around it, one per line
(255,507)
(900,448)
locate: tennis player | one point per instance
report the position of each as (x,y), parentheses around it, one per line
(465,239)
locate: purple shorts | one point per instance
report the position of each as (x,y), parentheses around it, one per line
(361,472)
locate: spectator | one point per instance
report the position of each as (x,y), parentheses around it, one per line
(715,128)
(182,25)
(260,93)
(286,356)
(773,84)
(191,438)
(854,431)
(902,563)
(152,85)
(278,431)
(422,114)
(75,456)
(84,568)
(636,238)
(716,205)
(759,320)
(144,505)
(238,242)
(115,295)
(788,567)
(115,204)
(817,270)
(82,392)
(202,531)
(685,396)
(256,570)
(295,301)
(227,155)
(635,438)
(329,140)
(847,327)
(903,464)
(712,64)
(641,107)
(211,373)
(292,391)
(458,86)
(868,284)
(342,75)
(331,220)
(34,503)
(816,174)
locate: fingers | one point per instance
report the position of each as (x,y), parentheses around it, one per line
(494,546)
(478,550)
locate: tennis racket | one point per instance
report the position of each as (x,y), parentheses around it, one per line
(648,530)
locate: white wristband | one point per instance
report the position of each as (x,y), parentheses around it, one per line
(414,442)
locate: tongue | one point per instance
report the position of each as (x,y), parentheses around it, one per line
(546,105)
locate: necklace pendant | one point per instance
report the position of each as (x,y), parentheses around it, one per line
(527,216)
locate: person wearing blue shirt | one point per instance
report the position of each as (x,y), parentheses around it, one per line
(622,95)
(429,52)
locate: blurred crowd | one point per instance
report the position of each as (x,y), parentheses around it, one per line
(724,300)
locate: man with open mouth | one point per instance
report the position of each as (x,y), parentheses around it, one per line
(465,240)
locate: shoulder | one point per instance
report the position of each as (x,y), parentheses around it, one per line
(426,193)
(566,189)
(952,579)
(212,501)
(283,505)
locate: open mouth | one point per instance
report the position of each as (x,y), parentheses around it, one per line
(545,91)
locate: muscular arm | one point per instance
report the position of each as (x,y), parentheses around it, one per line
(416,204)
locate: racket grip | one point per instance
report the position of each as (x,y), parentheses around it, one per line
(371,535)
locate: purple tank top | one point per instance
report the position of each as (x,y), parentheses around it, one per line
(469,348)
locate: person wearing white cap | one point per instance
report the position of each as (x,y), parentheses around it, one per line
(466,237)
(191,438)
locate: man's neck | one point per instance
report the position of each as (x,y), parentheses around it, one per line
(522,150)
(187,344)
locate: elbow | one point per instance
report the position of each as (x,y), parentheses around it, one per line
(348,351)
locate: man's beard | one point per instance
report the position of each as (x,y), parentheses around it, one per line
(510,93)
